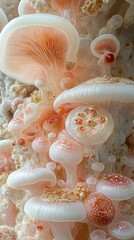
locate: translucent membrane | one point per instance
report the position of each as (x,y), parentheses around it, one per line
(89,124)
(122,230)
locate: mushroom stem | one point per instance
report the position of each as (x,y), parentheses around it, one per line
(61,231)
(104,68)
(71,176)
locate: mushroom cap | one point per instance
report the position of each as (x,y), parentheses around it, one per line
(25,177)
(68,152)
(98,234)
(100,91)
(6,146)
(105,43)
(55,212)
(89,125)
(25,8)
(116,187)
(41,144)
(122,230)
(30,61)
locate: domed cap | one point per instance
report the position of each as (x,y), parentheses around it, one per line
(55,212)
(100,91)
(122,230)
(30,179)
(25,8)
(116,187)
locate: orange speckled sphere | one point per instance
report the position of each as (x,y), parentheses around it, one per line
(100,209)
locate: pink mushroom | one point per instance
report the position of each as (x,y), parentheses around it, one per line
(16,125)
(116,187)
(106,48)
(69,153)
(41,146)
(31,113)
(41,45)
(25,8)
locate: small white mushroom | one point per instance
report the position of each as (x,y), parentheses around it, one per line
(122,230)
(33,180)
(106,48)
(69,153)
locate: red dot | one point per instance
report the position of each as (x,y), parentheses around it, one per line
(21,141)
(109,58)
(39,228)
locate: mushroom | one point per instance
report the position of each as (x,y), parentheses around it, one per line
(100,210)
(31,113)
(3,19)
(41,45)
(116,187)
(122,230)
(69,153)
(98,234)
(59,215)
(25,8)
(113,24)
(114,94)
(41,146)
(53,124)
(16,125)
(33,180)
(6,146)
(89,124)
(106,48)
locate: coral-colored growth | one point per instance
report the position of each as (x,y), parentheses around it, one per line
(100,209)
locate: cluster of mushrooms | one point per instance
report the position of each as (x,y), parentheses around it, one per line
(66,121)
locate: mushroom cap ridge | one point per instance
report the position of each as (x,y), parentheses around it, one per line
(55,212)
(99,92)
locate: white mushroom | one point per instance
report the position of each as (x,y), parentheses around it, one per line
(59,215)
(69,153)
(33,180)
(122,230)
(116,187)
(111,93)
